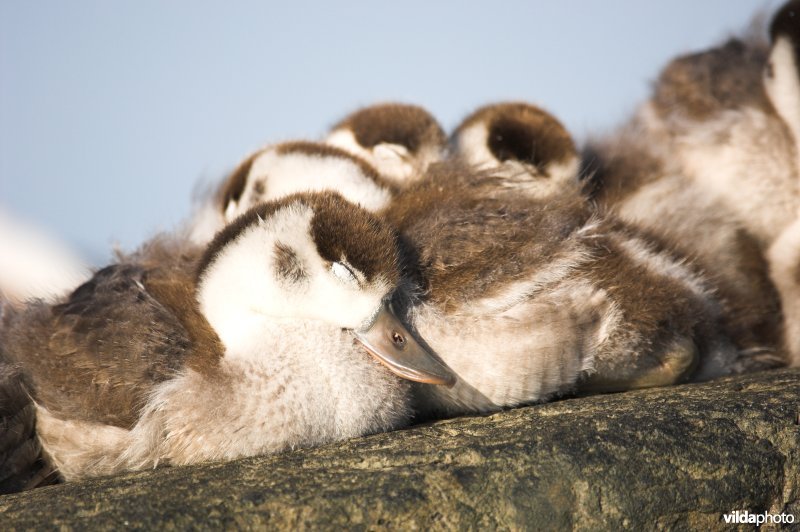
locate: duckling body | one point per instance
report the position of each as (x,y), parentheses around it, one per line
(710,166)
(22,466)
(143,365)
(530,290)
(713,113)
(635,183)
(529,298)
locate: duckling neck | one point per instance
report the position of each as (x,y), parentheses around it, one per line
(241,332)
(250,337)
(300,384)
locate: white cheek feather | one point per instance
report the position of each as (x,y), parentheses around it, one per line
(344,139)
(295,172)
(386,151)
(783,87)
(473,145)
(564,171)
(341,303)
(391,160)
(241,289)
(344,274)
(232,210)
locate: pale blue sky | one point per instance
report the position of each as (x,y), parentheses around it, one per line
(111,112)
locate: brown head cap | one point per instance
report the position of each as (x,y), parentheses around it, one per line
(410,126)
(339,229)
(519,131)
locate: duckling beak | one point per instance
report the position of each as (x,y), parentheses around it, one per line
(388,341)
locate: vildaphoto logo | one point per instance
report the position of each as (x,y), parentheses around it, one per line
(743,517)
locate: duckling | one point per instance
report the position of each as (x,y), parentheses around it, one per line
(602,303)
(698,165)
(34,265)
(283,169)
(529,298)
(632,179)
(399,140)
(22,466)
(782,84)
(730,118)
(264,350)
(520,141)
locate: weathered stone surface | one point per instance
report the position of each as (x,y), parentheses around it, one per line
(666,458)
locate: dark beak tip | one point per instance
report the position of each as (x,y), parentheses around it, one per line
(449,381)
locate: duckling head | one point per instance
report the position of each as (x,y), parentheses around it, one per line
(311,257)
(399,140)
(290,167)
(521,140)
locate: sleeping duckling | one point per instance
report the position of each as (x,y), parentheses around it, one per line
(730,119)
(399,140)
(365,158)
(34,264)
(522,142)
(22,466)
(282,169)
(266,350)
(710,166)
(528,296)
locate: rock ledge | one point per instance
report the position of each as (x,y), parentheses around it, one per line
(663,458)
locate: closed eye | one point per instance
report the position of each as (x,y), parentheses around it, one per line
(344,273)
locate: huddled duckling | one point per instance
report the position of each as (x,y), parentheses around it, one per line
(730,117)
(523,142)
(366,157)
(526,296)
(22,465)
(33,264)
(782,84)
(266,349)
(282,169)
(710,165)
(400,140)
